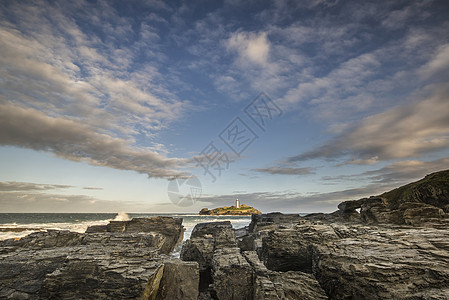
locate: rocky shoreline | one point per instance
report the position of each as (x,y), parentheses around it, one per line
(372,248)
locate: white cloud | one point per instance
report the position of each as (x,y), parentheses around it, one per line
(438,66)
(74,93)
(285,170)
(402,132)
(73,140)
(251,46)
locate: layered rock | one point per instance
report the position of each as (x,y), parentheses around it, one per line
(421,203)
(169,228)
(115,264)
(356,261)
(384,263)
(230,272)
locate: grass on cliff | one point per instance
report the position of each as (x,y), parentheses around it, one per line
(438,180)
(242,207)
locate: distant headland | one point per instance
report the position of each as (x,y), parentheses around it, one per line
(235,210)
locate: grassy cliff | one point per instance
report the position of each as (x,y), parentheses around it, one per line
(243,210)
(432,189)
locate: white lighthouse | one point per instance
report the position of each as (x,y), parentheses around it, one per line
(237,204)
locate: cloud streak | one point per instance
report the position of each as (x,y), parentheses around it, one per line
(30,128)
(56,203)
(13,186)
(285,170)
(403,132)
(70,90)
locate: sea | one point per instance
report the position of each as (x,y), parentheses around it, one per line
(18,225)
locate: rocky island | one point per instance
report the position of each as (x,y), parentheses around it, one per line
(235,210)
(391,246)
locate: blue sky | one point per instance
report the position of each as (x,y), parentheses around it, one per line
(104,103)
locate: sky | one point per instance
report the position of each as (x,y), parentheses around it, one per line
(173,106)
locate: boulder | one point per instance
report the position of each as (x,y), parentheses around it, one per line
(297,285)
(199,250)
(290,249)
(205,240)
(270,221)
(170,228)
(282,285)
(180,281)
(419,214)
(222,233)
(233,277)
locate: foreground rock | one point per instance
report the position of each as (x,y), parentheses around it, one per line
(290,257)
(169,229)
(229,272)
(358,261)
(123,263)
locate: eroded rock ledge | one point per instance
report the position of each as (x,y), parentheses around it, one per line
(123,260)
(288,257)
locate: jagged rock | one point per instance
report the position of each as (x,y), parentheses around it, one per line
(417,214)
(222,233)
(421,203)
(272,220)
(375,210)
(233,277)
(199,250)
(290,249)
(89,273)
(297,285)
(170,228)
(205,239)
(69,265)
(282,285)
(351,216)
(260,226)
(180,281)
(350,205)
(384,263)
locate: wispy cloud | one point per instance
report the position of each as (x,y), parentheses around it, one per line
(48,202)
(285,170)
(399,133)
(394,174)
(69,89)
(30,128)
(14,186)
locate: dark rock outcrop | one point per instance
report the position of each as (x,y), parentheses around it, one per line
(114,264)
(421,203)
(232,275)
(170,229)
(230,272)
(180,280)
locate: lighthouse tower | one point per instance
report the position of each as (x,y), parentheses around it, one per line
(237,204)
